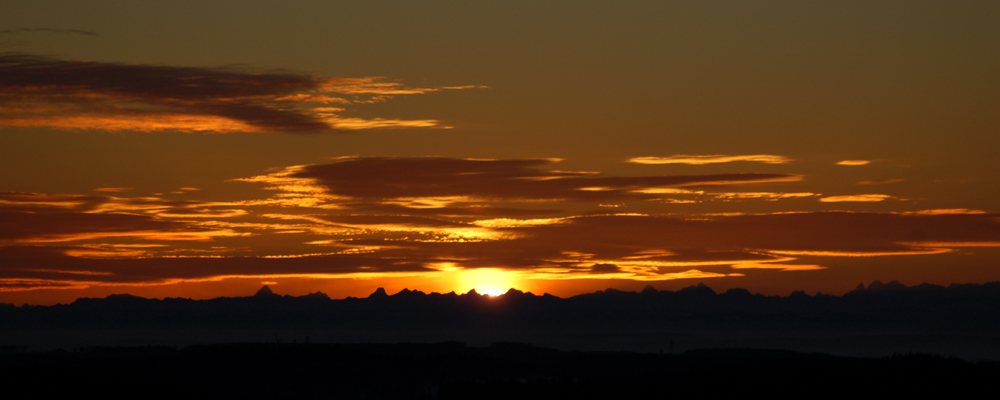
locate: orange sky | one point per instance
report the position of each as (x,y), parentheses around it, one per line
(196,150)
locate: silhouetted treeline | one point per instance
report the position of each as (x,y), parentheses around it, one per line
(962,320)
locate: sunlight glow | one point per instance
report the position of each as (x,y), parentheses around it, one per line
(487,281)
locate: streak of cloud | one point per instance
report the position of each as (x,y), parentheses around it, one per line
(48,92)
(944,211)
(853,162)
(863,198)
(710,159)
(383,178)
(33,225)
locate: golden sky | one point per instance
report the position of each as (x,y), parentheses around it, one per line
(196,149)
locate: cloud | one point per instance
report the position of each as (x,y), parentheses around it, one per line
(112,189)
(944,211)
(853,162)
(378,85)
(19,268)
(865,198)
(604,268)
(781,267)
(614,246)
(863,253)
(467,209)
(880,182)
(761,195)
(48,92)
(38,225)
(60,200)
(361,123)
(710,159)
(384,178)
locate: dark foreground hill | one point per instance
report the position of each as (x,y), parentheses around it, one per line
(959,320)
(455,371)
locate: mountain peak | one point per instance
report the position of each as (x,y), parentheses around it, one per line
(317,295)
(378,294)
(264,292)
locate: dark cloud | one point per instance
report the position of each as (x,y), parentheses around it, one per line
(79,202)
(43,91)
(604,268)
(43,224)
(664,243)
(97,92)
(61,202)
(380,178)
(835,231)
(50,264)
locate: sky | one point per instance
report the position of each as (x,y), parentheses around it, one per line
(201,149)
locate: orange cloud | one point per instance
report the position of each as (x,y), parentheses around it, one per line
(60,200)
(378,85)
(361,123)
(761,195)
(853,162)
(612,246)
(710,159)
(782,267)
(856,198)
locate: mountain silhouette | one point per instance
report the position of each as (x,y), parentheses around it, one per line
(265,292)
(961,320)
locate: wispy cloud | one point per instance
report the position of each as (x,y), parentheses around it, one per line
(944,211)
(43,91)
(864,198)
(58,200)
(853,162)
(36,225)
(381,86)
(710,159)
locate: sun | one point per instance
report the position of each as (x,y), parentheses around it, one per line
(487,281)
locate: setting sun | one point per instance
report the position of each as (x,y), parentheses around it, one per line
(488,281)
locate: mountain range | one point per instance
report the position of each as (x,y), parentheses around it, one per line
(958,320)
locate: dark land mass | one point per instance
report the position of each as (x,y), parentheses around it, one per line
(453,370)
(880,320)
